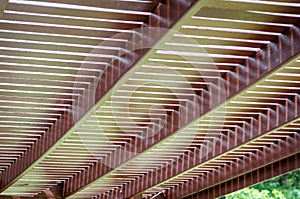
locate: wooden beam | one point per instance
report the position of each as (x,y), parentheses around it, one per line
(161,17)
(284,49)
(251,177)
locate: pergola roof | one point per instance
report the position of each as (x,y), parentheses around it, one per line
(147,98)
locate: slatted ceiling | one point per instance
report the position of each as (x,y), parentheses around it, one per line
(149,161)
(23,17)
(231,30)
(40,38)
(235,48)
(266,141)
(240,154)
(251,109)
(213,19)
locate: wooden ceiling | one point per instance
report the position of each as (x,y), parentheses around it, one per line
(147,98)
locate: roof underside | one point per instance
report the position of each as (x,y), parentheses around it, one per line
(147,98)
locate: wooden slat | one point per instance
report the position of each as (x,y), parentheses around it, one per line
(122,5)
(74,13)
(67,22)
(242,6)
(40,28)
(111,74)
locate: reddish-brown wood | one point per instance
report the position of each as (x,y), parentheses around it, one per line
(110,77)
(285,48)
(243,180)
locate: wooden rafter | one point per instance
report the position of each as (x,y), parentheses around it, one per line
(179,99)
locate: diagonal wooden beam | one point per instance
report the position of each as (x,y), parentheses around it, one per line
(284,49)
(242,180)
(288,147)
(161,17)
(191,160)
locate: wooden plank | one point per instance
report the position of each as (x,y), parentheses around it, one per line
(52,29)
(228,34)
(254,6)
(68,40)
(243,15)
(68,21)
(26,44)
(122,5)
(65,57)
(74,13)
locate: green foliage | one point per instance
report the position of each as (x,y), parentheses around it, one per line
(249,193)
(282,187)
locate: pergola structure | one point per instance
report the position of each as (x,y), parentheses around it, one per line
(147,98)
